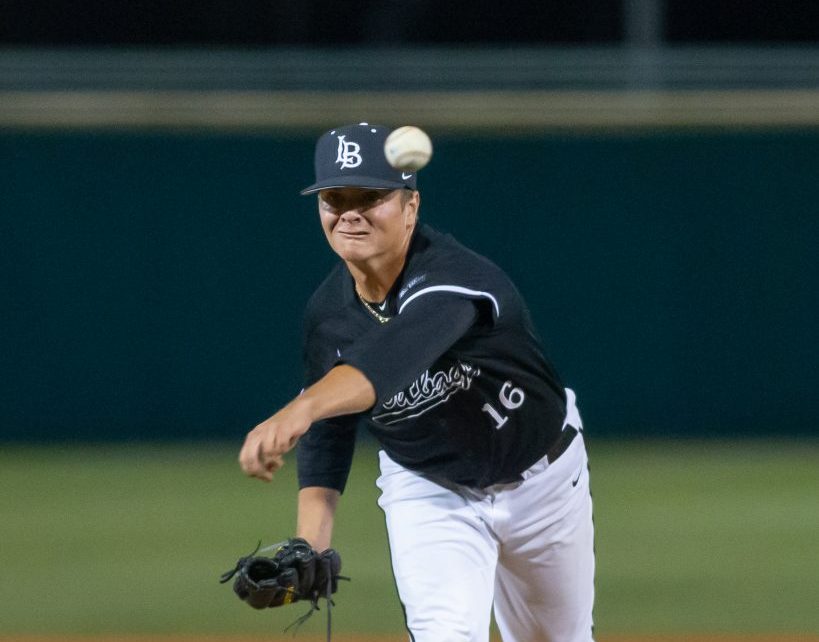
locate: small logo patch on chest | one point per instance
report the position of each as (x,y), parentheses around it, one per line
(411,284)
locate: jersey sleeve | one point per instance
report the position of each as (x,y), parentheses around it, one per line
(442,268)
(325,452)
(483,300)
(392,355)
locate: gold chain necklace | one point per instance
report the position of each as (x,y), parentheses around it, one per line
(381,318)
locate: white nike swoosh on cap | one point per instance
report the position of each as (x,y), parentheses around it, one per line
(405,176)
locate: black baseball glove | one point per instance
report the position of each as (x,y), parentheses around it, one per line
(294,572)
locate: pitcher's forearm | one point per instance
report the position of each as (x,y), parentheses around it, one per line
(316,515)
(342,391)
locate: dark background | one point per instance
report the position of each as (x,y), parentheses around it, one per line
(154,283)
(154,280)
(389,22)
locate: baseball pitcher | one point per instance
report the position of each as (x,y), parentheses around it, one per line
(428,346)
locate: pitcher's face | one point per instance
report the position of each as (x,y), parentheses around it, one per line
(361,224)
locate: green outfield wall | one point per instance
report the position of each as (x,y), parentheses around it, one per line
(153,283)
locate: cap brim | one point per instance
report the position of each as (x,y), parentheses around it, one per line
(352,181)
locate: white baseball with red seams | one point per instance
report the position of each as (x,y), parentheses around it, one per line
(408,148)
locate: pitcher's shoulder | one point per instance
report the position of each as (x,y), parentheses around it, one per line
(329,295)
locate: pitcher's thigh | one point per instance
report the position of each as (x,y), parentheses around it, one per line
(548,596)
(444,561)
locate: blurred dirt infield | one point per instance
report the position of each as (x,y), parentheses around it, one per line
(698,637)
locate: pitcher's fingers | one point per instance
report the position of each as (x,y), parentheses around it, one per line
(273,464)
(273,446)
(266,469)
(250,455)
(264,475)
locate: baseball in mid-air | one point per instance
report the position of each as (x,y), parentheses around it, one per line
(408,148)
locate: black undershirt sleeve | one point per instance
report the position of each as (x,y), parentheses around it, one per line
(325,453)
(393,355)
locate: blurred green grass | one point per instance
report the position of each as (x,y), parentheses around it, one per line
(691,536)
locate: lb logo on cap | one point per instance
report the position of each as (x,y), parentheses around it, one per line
(348,153)
(353,156)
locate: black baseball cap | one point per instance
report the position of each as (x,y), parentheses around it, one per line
(353,156)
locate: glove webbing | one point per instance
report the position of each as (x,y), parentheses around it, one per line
(225,577)
(314,603)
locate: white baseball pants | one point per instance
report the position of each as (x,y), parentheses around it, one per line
(526,547)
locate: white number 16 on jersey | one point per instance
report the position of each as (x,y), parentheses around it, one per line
(511,398)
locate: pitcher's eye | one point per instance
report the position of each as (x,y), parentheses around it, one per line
(330,201)
(373,197)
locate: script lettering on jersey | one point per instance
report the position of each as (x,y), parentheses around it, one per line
(348,153)
(426,392)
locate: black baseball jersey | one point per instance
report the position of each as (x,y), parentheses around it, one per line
(464,391)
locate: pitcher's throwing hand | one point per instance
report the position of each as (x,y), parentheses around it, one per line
(264,446)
